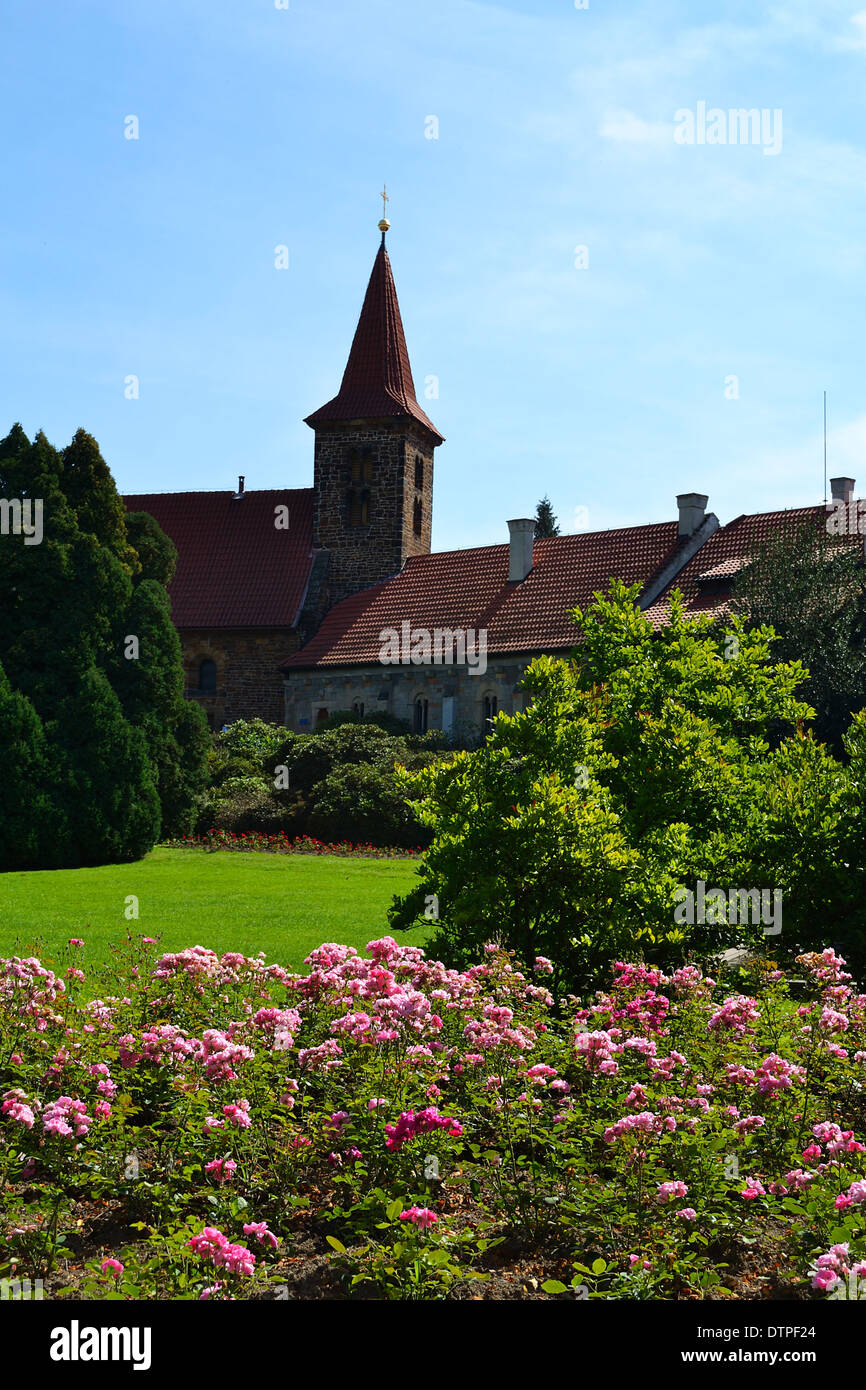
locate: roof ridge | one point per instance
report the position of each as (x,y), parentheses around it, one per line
(215,492)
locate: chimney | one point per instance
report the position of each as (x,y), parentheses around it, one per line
(842,489)
(692,508)
(236,496)
(521,535)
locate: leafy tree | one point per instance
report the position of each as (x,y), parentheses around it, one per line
(812,591)
(641,768)
(545,521)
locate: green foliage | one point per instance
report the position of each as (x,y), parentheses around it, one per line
(117,730)
(812,591)
(379,719)
(105,785)
(25,803)
(338,783)
(249,739)
(642,766)
(545,520)
(157,553)
(343,784)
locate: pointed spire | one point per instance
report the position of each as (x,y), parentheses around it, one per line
(377,382)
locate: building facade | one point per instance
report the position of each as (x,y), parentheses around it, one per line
(295,604)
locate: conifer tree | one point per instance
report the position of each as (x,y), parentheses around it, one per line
(93,683)
(545,521)
(29,813)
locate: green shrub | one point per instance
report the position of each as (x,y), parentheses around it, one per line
(338,783)
(642,767)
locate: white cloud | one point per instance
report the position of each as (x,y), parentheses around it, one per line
(632,129)
(855,43)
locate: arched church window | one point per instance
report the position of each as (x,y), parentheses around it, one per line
(207,677)
(419,715)
(358,708)
(417,518)
(419,471)
(490,708)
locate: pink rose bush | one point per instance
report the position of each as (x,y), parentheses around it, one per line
(410,1107)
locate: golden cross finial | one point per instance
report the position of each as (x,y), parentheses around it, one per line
(384,224)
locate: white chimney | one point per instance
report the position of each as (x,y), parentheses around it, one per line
(521,535)
(692,509)
(842,489)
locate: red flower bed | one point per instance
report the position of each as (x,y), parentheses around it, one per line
(281,844)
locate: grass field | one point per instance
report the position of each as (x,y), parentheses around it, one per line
(284,905)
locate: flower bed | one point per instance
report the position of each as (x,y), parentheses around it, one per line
(212,1127)
(281,844)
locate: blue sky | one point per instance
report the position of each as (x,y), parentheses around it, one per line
(607,387)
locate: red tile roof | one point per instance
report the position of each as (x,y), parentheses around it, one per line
(235,568)
(469,589)
(377,382)
(725,553)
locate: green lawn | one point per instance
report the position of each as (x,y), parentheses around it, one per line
(284,905)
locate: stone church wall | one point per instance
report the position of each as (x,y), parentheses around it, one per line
(248,684)
(455,698)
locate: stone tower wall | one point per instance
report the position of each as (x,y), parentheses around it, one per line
(361,555)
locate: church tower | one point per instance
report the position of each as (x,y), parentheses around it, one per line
(373,472)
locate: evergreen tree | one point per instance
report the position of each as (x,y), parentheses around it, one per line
(148,676)
(156,552)
(28,811)
(545,520)
(93,675)
(106,784)
(90,491)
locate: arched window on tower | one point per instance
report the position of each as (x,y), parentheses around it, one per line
(419,715)
(419,472)
(359,507)
(207,677)
(360,466)
(417,518)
